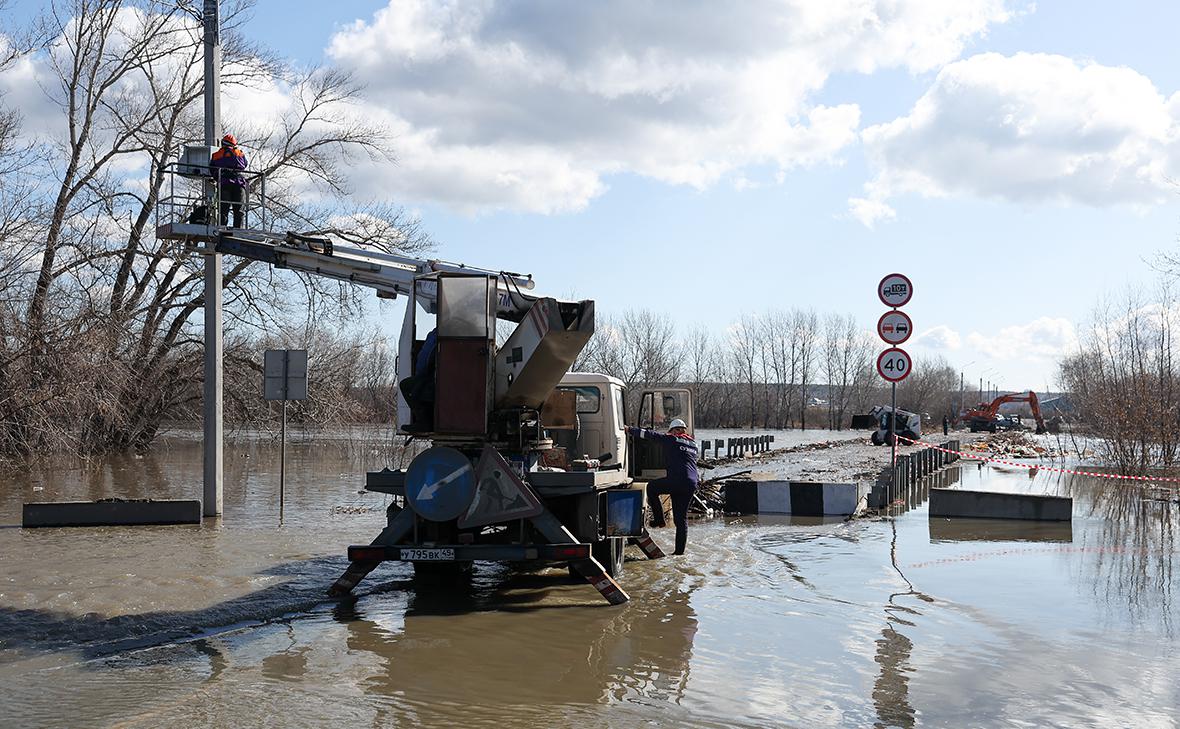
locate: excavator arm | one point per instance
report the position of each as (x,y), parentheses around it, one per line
(988,411)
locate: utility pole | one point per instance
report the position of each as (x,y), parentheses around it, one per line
(213,446)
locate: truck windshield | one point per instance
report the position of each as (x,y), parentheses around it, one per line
(588,398)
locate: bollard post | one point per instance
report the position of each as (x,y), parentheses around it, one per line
(704,448)
(717,446)
(729,447)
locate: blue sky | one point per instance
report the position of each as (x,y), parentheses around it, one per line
(1015,160)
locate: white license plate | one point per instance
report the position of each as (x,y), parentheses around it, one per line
(427,555)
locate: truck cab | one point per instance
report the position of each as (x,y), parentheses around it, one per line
(600,429)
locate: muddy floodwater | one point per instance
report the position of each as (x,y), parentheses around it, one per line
(887,621)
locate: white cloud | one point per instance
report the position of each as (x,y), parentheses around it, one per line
(502,103)
(1044,339)
(1028,128)
(870,212)
(939,337)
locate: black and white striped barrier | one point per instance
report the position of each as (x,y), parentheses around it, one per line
(798,498)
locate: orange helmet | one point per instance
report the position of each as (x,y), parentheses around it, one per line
(229,139)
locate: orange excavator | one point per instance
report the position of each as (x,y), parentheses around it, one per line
(986,416)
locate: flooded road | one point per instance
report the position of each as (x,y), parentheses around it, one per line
(768,621)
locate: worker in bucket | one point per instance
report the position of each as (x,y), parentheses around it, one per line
(226,167)
(680,462)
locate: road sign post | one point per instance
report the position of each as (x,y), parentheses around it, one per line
(284,377)
(894,327)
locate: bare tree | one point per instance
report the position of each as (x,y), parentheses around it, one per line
(640,348)
(1123,378)
(807,326)
(846,352)
(929,388)
(745,340)
(106,336)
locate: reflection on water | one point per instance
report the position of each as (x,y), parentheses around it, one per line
(999,530)
(770,621)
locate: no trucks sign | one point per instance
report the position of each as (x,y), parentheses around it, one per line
(895,290)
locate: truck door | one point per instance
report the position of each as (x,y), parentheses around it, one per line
(658,408)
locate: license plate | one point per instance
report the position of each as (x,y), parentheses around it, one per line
(428,555)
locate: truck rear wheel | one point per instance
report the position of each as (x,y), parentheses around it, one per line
(609,553)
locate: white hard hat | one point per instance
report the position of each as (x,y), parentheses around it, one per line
(677,423)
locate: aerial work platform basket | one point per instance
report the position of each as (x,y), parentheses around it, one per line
(191,209)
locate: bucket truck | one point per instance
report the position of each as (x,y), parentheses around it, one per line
(527,461)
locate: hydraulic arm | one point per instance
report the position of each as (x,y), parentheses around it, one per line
(389,274)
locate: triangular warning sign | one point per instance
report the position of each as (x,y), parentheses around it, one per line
(500,494)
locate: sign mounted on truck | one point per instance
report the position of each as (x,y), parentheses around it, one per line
(440,484)
(500,495)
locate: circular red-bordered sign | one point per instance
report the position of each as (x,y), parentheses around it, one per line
(895,290)
(894,327)
(894,364)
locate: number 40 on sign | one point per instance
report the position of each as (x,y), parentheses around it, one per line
(894,364)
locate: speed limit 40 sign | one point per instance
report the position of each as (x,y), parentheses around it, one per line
(894,364)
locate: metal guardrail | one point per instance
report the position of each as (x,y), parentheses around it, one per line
(736,447)
(915,466)
(191,194)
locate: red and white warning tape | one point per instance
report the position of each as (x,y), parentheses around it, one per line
(1039,467)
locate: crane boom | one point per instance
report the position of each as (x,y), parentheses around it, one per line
(389,274)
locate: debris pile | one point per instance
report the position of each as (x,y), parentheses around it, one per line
(1012,444)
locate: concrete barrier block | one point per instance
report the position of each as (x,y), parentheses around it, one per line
(110,513)
(741,497)
(798,498)
(958,503)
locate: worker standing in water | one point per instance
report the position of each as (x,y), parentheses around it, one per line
(226,167)
(680,459)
